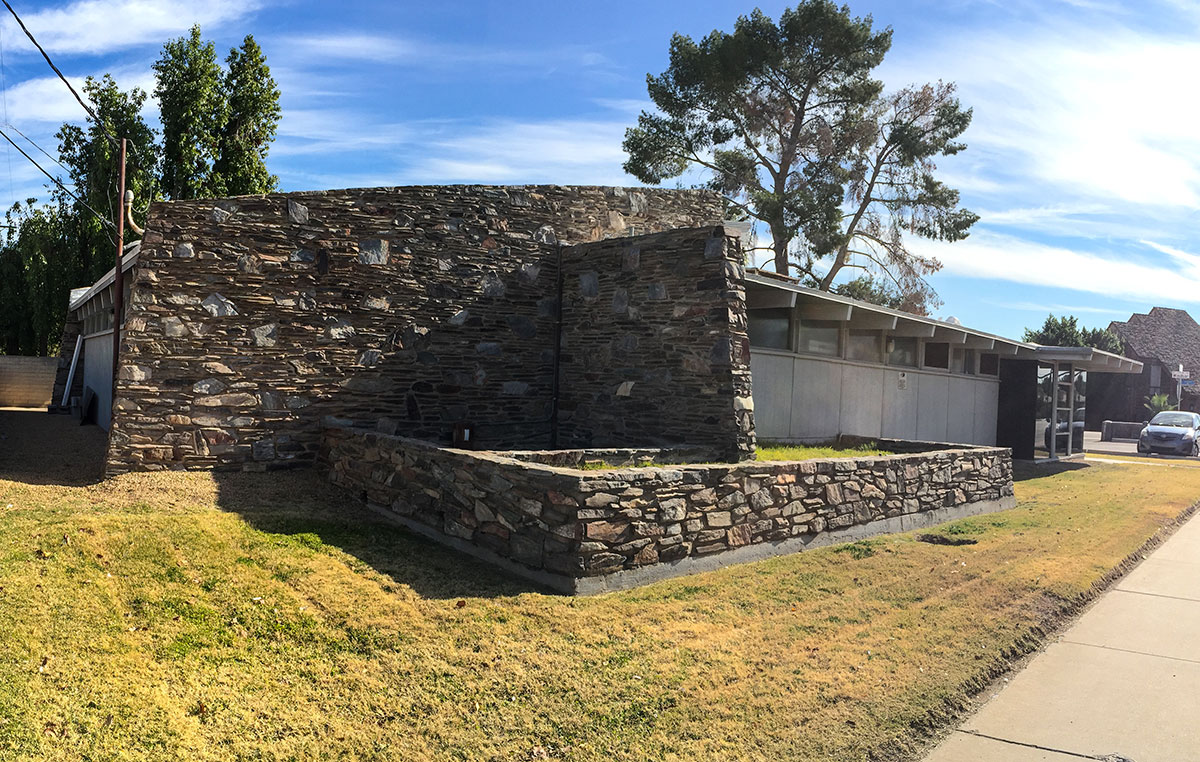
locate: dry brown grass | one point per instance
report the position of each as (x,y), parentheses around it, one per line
(192,616)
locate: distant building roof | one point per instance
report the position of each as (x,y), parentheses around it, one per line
(1167,335)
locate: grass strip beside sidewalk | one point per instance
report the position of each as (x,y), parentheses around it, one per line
(269,616)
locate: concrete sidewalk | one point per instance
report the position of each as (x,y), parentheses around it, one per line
(1123,683)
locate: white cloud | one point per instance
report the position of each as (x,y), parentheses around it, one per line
(359,47)
(352,47)
(1058,309)
(47,99)
(1089,107)
(575,151)
(101,26)
(335,130)
(1001,257)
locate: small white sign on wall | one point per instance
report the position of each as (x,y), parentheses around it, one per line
(902,381)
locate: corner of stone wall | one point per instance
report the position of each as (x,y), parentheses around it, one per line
(655,351)
(744,440)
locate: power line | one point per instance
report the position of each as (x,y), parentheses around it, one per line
(66,82)
(4,97)
(31,141)
(55,180)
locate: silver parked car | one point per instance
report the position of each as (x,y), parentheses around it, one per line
(1172,432)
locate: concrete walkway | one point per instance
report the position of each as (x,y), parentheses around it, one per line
(1123,683)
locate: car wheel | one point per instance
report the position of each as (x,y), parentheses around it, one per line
(1195,448)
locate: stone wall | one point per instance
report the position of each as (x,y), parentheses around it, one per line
(251,319)
(655,351)
(588,531)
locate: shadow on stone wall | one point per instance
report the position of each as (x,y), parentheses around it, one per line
(302,507)
(39,448)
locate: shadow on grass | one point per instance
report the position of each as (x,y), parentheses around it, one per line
(302,506)
(37,447)
(1024,470)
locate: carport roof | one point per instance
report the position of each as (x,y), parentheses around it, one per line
(766,289)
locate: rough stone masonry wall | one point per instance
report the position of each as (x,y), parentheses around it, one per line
(585,531)
(251,319)
(655,351)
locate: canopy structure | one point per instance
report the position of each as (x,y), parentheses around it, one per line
(826,364)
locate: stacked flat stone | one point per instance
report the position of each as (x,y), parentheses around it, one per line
(250,319)
(562,525)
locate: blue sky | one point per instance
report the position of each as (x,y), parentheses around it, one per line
(1083,158)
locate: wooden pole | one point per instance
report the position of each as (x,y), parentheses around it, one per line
(118,285)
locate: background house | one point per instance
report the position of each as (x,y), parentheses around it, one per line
(1161,340)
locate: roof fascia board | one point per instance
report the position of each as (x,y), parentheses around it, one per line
(951,335)
(819,310)
(913,328)
(105,281)
(873,320)
(860,307)
(758,299)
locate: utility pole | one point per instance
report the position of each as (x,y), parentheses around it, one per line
(118,282)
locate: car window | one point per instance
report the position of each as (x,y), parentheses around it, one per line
(1185,420)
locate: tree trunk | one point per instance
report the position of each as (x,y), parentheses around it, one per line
(779,242)
(834,269)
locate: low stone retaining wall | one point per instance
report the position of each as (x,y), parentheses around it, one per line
(587,531)
(1111,431)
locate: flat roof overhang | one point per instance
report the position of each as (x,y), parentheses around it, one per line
(767,290)
(1089,359)
(80,296)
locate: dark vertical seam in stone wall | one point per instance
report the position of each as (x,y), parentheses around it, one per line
(557,362)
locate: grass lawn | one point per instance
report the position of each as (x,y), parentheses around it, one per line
(781,451)
(269,617)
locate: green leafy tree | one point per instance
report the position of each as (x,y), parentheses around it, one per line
(1066,332)
(92,160)
(892,190)
(773,112)
(194,108)
(34,257)
(253,117)
(1102,339)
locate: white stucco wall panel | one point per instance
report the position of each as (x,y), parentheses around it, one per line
(900,405)
(933,395)
(987,407)
(812,399)
(773,384)
(862,401)
(816,400)
(960,410)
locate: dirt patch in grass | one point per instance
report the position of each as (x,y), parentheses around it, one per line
(187,615)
